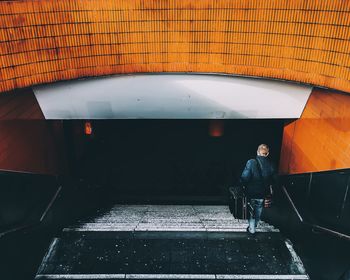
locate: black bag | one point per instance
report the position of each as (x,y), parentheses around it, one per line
(237,191)
(268,190)
(238,202)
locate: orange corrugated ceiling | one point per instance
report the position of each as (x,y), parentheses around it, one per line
(46,41)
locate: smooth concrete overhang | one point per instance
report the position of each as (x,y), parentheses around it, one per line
(172,96)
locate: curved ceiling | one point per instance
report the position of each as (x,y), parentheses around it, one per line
(172,96)
(43,41)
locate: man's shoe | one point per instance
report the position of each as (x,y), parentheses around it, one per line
(249,231)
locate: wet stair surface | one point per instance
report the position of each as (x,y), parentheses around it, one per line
(169,242)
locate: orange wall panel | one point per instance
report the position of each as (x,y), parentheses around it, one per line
(320,139)
(44,41)
(288,134)
(20,105)
(32,146)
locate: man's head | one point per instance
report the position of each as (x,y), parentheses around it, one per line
(263,150)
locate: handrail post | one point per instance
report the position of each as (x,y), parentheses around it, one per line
(345,198)
(309,186)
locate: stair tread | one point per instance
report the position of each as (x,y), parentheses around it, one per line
(155,244)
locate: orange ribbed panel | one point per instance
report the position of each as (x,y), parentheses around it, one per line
(32,146)
(320,139)
(45,41)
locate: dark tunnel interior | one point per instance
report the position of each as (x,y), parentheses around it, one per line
(168,157)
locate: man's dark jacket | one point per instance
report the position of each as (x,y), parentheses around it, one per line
(257,186)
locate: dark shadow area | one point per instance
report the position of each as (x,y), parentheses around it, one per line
(321,199)
(24,197)
(153,158)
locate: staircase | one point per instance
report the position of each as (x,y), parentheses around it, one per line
(169,242)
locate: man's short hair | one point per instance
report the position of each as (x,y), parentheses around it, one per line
(263,150)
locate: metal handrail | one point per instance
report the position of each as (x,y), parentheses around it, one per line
(314,226)
(52,201)
(42,217)
(292,204)
(20,172)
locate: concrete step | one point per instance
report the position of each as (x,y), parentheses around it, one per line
(243,256)
(171,277)
(166,218)
(169,242)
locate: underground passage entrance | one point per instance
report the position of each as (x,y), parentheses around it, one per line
(166,157)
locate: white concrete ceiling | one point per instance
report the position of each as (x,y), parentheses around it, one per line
(173,96)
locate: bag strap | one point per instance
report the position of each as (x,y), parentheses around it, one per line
(261,177)
(259,169)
